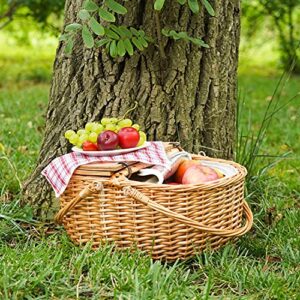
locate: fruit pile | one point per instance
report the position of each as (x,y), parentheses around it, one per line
(193,172)
(109,134)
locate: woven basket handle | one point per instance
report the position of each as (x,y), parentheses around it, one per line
(93,187)
(131,192)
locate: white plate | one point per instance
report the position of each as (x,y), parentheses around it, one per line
(109,152)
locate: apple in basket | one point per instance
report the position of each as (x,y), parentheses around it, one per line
(107,140)
(199,174)
(129,137)
(183,168)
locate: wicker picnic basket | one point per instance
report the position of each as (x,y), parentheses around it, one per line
(167,221)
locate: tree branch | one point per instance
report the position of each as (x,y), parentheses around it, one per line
(9,14)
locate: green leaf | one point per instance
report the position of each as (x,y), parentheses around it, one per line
(102,42)
(69,46)
(96,27)
(106,15)
(90,5)
(116,29)
(111,34)
(199,42)
(121,48)
(73,27)
(158,4)
(87,37)
(125,32)
(84,14)
(116,7)
(137,43)
(143,42)
(208,7)
(113,49)
(134,32)
(64,37)
(182,35)
(142,33)
(128,46)
(165,32)
(181,2)
(174,34)
(194,6)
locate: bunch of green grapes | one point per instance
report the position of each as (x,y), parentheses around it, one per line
(89,133)
(93,129)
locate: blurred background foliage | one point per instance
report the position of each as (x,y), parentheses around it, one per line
(276,21)
(266,24)
(45,15)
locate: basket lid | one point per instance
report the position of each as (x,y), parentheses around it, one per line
(105,169)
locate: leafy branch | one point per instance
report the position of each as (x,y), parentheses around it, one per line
(120,40)
(193,5)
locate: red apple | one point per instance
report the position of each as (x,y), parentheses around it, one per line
(199,174)
(182,169)
(89,146)
(128,137)
(107,140)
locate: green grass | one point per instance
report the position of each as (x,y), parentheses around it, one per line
(37,261)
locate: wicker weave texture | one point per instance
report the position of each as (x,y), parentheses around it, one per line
(163,220)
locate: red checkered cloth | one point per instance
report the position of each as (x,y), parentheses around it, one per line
(60,170)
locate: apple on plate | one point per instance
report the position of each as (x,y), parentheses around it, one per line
(107,140)
(199,174)
(128,137)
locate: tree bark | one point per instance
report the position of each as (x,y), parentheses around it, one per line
(188,95)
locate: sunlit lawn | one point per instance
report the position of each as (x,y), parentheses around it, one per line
(263,265)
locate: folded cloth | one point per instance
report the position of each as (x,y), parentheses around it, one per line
(60,170)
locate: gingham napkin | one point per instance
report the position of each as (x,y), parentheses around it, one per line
(60,170)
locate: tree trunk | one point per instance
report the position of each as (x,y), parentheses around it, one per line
(188,96)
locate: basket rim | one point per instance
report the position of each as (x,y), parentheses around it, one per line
(219,183)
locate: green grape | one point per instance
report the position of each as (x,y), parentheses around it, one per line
(125,123)
(105,121)
(111,127)
(74,139)
(84,137)
(69,133)
(81,131)
(97,128)
(136,126)
(88,126)
(114,120)
(93,137)
(117,128)
(143,138)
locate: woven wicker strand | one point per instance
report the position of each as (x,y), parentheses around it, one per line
(167,221)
